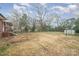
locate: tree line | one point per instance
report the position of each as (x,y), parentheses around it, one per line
(41,20)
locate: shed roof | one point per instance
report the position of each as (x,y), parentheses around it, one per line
(9,23)
(2,17)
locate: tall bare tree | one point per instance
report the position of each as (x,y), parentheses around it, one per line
(40,12)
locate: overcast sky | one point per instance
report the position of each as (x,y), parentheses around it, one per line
(66,10)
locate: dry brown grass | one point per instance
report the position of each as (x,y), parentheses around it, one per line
(43,43)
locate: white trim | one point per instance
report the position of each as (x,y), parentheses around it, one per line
(3,27)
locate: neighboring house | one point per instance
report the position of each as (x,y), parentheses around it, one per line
(4,25)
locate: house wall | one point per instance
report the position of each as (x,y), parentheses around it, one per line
(1,27)
(5,27)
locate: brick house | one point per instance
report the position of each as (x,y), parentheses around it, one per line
(5,27)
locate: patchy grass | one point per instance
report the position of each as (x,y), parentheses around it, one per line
(3,46)
(40,43)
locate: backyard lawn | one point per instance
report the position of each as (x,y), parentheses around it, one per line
(40,43)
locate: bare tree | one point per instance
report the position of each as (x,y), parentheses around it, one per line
(40,11)
(57,20)
(19,21)
(15,20)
